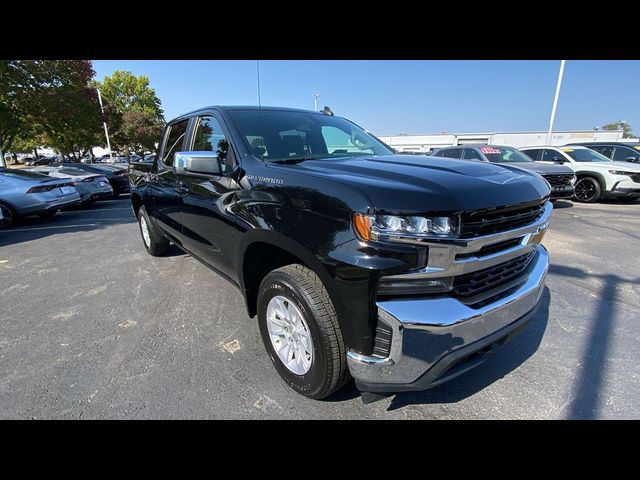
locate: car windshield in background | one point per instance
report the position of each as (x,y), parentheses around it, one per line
(278,135)
(585,155)
(22,174)
(504,154)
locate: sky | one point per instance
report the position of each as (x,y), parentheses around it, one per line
(389,97)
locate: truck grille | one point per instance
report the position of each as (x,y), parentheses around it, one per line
(477,282)
(559,180)
(489,221)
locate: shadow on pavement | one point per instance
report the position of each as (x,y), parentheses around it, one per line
(589,379)
(506,359)
(76,219)
(560,204)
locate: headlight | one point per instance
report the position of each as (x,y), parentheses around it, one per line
(621,172)
(391,227)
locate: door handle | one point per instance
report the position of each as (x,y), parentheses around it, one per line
(182,189)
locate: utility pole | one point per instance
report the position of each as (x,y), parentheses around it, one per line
(555,102)
(315,101)
(106,132)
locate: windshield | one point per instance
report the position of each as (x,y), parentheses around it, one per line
(585,155)
(504,154)
(286,135)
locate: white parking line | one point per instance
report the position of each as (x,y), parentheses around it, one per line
(46,228)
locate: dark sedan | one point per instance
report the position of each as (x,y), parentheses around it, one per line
(118,178)
(560,177)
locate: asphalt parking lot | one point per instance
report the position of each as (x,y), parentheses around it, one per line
(93,327)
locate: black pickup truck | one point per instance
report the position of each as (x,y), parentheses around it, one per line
(400,271)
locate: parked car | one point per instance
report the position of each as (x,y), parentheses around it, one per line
(25,193)
(117,177)
(42,160)
(617,151)
(90,186)
(149,158)
(560,177)
(598,177)
(403,271)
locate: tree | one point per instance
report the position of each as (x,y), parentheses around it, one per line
(620,125)
(124,93)
(139,132)
(48,99)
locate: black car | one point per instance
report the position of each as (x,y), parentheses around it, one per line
(118,178)
(617,151)
(560,177)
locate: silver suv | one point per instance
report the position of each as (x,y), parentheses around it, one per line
(598,177)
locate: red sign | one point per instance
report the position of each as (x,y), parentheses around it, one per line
(490,150)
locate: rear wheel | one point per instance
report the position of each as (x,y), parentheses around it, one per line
(154,244)
(299,328)
(587,190)
(7,215)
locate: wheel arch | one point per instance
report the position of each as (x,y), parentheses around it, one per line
(264,251)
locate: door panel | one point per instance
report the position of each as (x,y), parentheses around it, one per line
(167,198)
(209,227)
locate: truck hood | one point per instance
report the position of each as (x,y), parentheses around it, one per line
(412,184)
(540,168)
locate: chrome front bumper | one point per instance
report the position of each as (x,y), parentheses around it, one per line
(431,336)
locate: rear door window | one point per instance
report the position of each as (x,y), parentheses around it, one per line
(452,153)
(606,151)
(471,154)
(534,154)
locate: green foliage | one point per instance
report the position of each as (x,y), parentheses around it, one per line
(133,112)
(627,131)
(48,101)
(139,132)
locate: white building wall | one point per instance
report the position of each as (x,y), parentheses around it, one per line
(424,143)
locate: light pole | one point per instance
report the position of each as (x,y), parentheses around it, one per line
(106,132)
(315,100)
(555,102)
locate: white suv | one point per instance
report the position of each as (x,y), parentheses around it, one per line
(598,177)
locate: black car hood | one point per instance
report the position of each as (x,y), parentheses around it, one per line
(540,168)
(411,184)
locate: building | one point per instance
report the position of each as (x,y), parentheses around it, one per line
(425,143)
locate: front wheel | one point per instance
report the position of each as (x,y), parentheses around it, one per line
(587,190)
(300,330)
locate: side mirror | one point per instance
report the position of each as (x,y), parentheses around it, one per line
(197,163)
(633,159)
(558,160)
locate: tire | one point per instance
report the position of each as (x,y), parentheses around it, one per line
(588,190)
(8,215)
(300,290)
(48,214)
(156,245)
(88,203)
